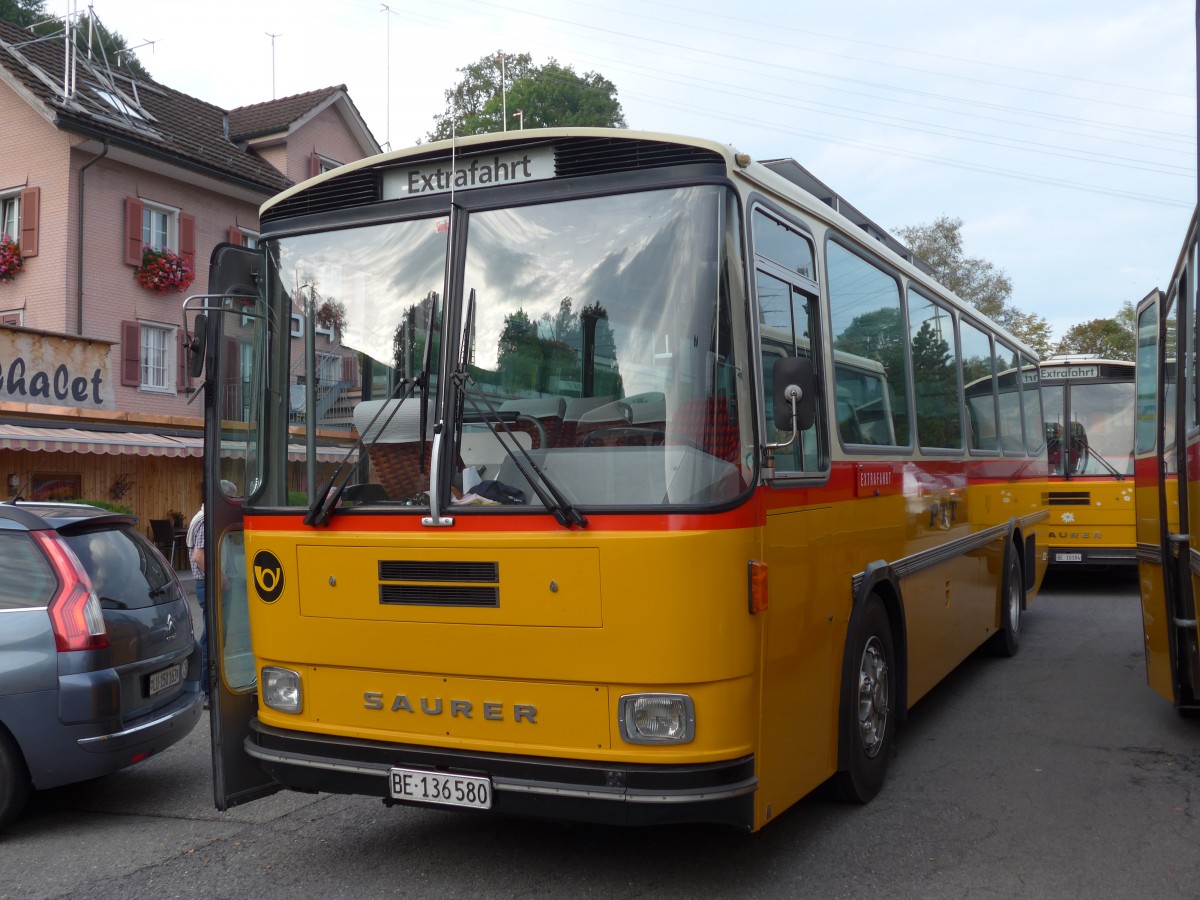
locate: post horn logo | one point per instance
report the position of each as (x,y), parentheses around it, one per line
(268,576)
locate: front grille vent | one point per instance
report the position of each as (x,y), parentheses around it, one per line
(438,595)
(404,582)
(359,189)
(416,570)
(1069,498)
(582,156)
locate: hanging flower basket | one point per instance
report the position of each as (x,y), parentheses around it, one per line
(163,270)
(331,314)
(11,262)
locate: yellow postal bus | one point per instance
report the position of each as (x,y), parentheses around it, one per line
(1089,410)
(597,475)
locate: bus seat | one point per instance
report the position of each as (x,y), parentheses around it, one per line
(614,414)
(707,424)
(576,407)
(538,417)
(396,451)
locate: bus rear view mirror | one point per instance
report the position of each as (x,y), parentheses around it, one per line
(794,387)
(196,345)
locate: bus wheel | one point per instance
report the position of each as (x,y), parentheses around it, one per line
(871,717)
(1007,640)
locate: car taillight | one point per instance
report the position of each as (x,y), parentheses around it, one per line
(75,613)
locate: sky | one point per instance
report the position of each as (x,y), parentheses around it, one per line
(1062,134)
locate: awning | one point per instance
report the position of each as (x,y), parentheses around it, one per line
(131,443)
(78,440)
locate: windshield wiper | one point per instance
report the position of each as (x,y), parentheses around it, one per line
(552,498)
(323,505)
(1098,457)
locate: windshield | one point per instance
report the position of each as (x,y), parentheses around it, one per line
(1101,432)
(605,329)
(606,350)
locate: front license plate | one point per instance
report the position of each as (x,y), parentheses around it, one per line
(472,791)
(167,678)
(1068,557)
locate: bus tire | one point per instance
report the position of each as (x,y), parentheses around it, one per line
(871,720)
(14,779)
(1007,641)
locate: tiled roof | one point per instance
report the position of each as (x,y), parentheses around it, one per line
(139,113)
(272,116)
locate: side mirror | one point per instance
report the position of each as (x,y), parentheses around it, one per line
(196,345)
(794,382)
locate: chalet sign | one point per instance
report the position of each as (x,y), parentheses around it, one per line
(54,370)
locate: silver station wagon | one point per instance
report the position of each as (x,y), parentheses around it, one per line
(99,668)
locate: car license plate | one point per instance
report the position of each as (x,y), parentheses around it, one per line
(1068,557)
(167,678)
(472,791)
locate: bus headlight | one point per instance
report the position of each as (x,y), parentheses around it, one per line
(281,690)
(657,718)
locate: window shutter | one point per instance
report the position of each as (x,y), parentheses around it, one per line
(131,354)
(133,232)
(235,235)
(182,382)
(31,199)
(314,165)
(187,239)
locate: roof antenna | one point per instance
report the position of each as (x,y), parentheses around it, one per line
(272,37)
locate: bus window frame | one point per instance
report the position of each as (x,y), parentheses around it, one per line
(853,449)
(990,334)
(811,288)
(956,352)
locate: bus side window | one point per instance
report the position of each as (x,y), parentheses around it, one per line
(785,322)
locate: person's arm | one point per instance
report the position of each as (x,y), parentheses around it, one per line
(198,557)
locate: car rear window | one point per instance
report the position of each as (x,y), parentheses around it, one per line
(26,577)
(126,571)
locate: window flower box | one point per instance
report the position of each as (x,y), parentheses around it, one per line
(163,270)
(11,262)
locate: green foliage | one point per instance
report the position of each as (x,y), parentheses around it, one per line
(549,95)
(105,44)
(23,12)
(975,280)
(1108,338)
(297,498)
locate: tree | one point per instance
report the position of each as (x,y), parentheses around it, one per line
(23,12)
(977,281)
(107,45)
(1099,337)
(546,95)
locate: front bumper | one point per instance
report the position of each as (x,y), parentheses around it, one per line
(563,789)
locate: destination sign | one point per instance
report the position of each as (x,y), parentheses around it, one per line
(467,173)
(1052,372)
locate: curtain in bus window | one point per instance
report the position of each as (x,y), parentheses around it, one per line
(979,388)
(1008,382)
(870,364)
(1053,416)
(935,374)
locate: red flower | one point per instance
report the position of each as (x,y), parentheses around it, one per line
(163,270)
(10,259)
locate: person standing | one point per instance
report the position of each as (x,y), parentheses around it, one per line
(195,543)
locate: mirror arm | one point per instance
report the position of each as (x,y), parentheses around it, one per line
(793,394)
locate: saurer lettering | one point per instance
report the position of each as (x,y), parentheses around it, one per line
(466,709)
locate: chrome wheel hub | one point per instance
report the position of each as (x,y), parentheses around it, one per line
(873,697)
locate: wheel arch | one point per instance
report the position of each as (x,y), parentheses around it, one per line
(880,579)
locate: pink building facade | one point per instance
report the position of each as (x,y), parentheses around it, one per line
(91,175)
